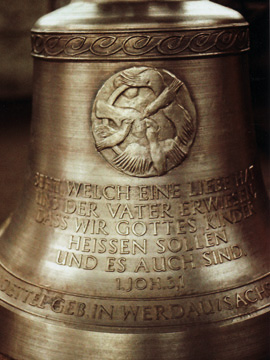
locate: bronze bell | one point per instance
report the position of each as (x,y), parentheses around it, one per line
(142,230)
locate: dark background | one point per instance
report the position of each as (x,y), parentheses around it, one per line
(15,87)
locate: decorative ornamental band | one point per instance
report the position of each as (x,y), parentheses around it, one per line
(134,45)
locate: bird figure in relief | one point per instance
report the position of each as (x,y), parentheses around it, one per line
(110,136)
(145,122)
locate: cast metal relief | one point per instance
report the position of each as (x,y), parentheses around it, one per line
(144,121)
(151,44)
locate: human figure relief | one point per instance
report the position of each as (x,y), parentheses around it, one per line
(142,123)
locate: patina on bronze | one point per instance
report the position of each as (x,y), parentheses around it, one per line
(142,230)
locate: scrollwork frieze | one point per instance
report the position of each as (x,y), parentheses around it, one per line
(120,46)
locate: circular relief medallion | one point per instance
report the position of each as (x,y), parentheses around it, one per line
(144,121)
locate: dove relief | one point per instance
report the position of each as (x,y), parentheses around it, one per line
(144,121)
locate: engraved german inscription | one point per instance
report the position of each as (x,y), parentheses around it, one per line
(181,309)
(152,283)
(146,236)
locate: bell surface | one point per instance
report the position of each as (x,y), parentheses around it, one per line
(143,226)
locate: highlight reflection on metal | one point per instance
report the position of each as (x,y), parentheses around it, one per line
(142,230)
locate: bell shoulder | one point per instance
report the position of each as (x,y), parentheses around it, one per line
(139,14)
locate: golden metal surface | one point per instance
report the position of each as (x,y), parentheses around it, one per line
(142,230)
